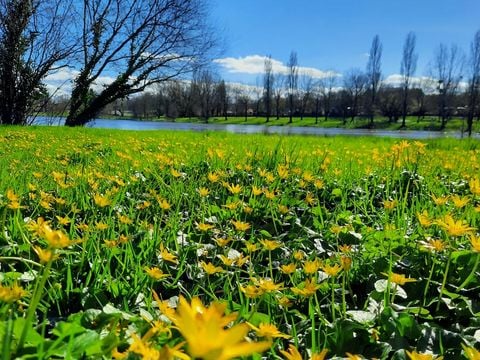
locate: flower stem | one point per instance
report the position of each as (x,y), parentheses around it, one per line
(444,281)
(37,295)
(471,275)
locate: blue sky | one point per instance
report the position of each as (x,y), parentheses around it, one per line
(337,34)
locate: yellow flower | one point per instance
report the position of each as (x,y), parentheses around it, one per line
(331,270)
(475,242)
(298,255)
(45,255)
(418,356)
(390,204)
(270,244)
(240,226)
(167,255)
(252,291)
(459,202)
(319,184)
(175,173)
(210,269)
(203,192)
(206,334)
(288,269)
(143,205)
(270,195)
(225,260)
(164,204)
(311,266)
(439,201)
(282,171)
(284,302)
(164,306)
(308,176)
(256,191)
(11,196)
(475,186)
(56,239)
(140,347)
(424,218)
(241,260)
(308,289)
(346,263)
(345,248)
(292,353)
(101,200)
(15,205)
(454,228)
(247,209)
(268,285)
(124,219)
(63,220)
(399,279)
(234,188)
(213,177)
(222,242)
(156,273)
(110,243)
(435,245)
(204,227)
(251,247)
(283,209)
(310,199)
(11,294)
(471,353)
(101,226)
(268,331)
(232,205)
(319,356)
(353,356)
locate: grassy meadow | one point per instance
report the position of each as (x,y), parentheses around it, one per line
(428,123)
(169,245)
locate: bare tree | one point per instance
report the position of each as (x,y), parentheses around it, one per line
(268,82)
(327,85)
(257,95)
(447,69)
(306,89)
(278,92)
(142,41)
(474,81)
(407,70)
(34,42)
(374,74)
(244,100)
(390,102)
(222,95)
(355,83)
(292,83)
(317,96)
(205,91)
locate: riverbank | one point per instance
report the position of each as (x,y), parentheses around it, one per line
(428,123)
(258,129)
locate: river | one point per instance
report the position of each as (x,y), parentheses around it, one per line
(253,129)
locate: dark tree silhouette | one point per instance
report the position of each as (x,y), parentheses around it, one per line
(407,70)
(143,42)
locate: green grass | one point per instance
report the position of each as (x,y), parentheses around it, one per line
(134,214)
(428,123)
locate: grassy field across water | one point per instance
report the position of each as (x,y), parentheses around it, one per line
(164,245)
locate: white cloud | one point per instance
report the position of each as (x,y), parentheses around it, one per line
(422,81)
(62,75)
(254,64)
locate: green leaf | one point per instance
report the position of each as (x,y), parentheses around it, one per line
(33,337)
